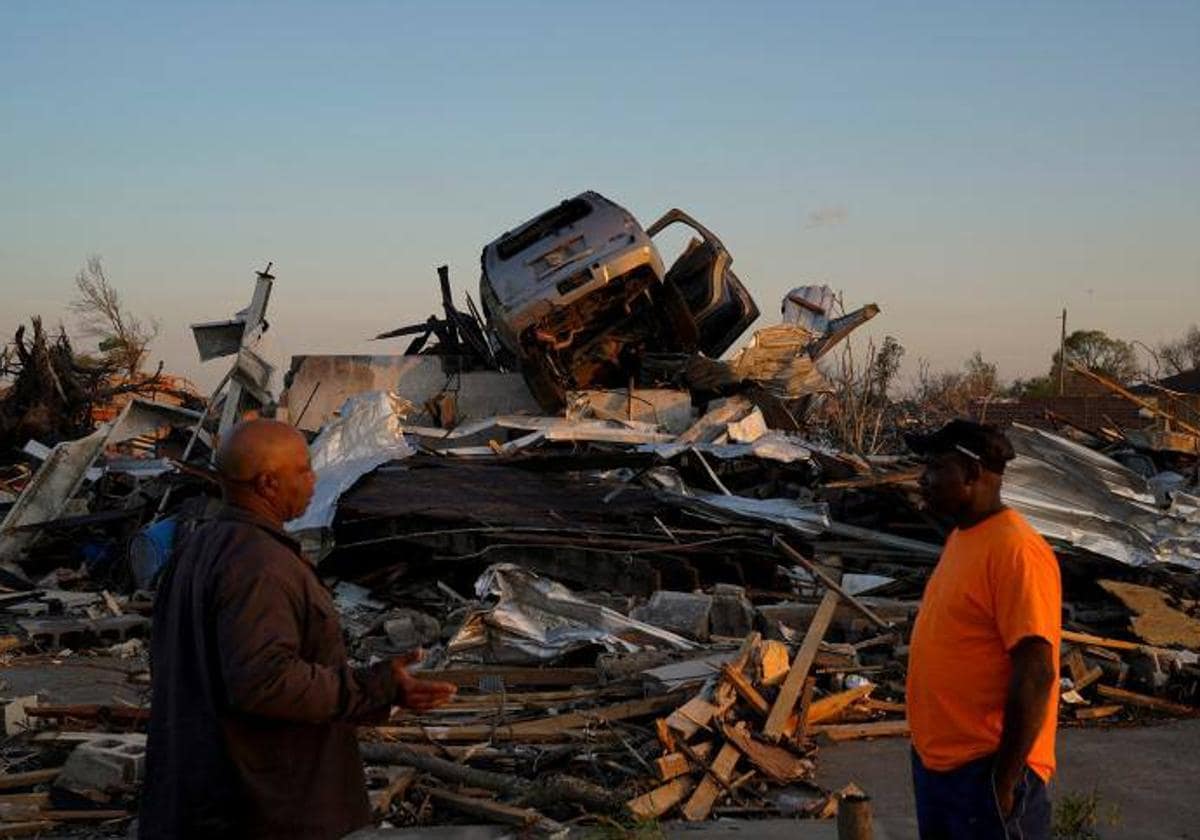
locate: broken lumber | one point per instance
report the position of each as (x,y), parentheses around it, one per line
(745,689)
(676,764)
(488,809)
(692,716)
(719,774)
(777,763)
(855,731)
(830,707)
(1132,698)
(1097,712)
(777,720)
(830,584)
(552,728)
(9,781)
(652,805)
(556,788)
(1098,641)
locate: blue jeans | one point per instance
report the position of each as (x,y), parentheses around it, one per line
(961,804)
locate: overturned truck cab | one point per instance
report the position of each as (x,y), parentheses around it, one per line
(579,294)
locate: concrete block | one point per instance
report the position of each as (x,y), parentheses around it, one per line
(732,614)
(111,763)
(78,633)
(686,613)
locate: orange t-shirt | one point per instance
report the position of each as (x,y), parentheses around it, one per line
(996,583)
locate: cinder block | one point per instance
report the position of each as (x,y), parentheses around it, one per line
(110,763)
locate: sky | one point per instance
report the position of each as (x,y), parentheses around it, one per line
(973,168)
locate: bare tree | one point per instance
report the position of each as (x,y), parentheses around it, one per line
(1182,354)
(123,337)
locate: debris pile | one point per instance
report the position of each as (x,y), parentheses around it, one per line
(661,584)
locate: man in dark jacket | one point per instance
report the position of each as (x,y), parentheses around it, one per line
(253,710)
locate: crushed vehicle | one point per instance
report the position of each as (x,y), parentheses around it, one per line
(579,295)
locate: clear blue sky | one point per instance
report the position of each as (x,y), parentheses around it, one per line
(971,167)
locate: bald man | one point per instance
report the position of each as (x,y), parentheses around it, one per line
(253,712)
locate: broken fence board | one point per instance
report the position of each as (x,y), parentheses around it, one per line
(792,686)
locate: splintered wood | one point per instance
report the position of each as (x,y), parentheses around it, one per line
(730,720)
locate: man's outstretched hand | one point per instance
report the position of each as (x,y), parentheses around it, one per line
(416,694)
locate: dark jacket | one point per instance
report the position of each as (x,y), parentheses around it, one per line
(253,706)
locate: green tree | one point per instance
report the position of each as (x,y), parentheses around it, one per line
(1096,351)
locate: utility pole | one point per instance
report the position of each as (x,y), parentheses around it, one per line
(1062,355)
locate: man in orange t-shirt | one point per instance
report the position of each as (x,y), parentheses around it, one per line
(983,664)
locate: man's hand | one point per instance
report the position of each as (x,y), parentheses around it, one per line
(416,694)
(1033,679)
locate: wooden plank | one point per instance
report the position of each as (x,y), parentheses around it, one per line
(652,805)
(885,706)
(1098,641)
(725,693)
(701,803)
(794,684)
(692,716)
(830,707)
(9,781)
(671,766)
(25,800)
(84,816)
(773,662)
(675,764)
(1073,659)
(745,690)
(777,763)
(855,731)
(801,717)
(553,728)
(1132,698)
(1097,712)
(665,738)
(1088,678)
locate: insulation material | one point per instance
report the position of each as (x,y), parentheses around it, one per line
(367,432)
(534,620)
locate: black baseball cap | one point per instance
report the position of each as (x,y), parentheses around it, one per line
(982,442)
